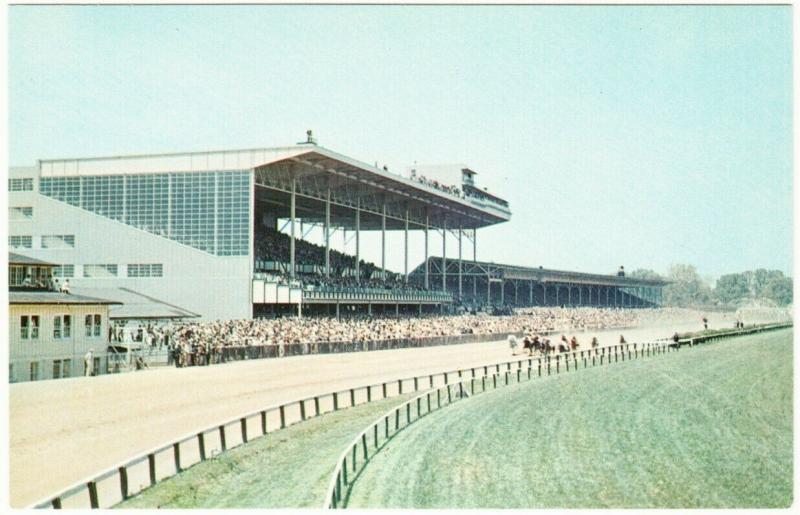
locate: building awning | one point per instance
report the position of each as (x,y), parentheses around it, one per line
(51,297)
(19,259)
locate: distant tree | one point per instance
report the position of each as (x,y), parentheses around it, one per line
(778,289)
(644,273)
(757,280)
(732,287)
(687,288)
(754,285)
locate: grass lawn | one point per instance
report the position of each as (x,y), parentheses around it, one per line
(707,427)
(286,469)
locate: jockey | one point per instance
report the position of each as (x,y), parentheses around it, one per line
(512,342)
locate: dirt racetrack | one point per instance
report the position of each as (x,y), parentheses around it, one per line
(63,431)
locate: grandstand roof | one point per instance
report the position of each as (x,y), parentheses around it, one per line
(538,274)
(314,169)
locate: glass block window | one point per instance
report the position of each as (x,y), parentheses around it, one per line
(20,213)
(193,210)
(233,206)
(146,270)
(205,210)
(65,189)
(23,184)
(100,271)
(59,241)
(64,271)
(147,203)
(20,242)
(103,195)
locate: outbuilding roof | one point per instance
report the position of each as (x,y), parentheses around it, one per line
(19,259)
(48,297)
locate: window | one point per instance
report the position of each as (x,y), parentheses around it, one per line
(205,210)
(146,270)
(93,324)
(20,242)
(25,184)
(16,275)
(96,366)
(66,368)
(20,213)
(56,368)
(62,326)
(34,370)
(63,271)
(99,270)
(65,189)
(29,327)
(59,241)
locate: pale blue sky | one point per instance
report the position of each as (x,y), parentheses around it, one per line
(641,136)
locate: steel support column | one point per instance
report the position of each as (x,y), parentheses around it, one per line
(292,213)
(427,268)
(358,241)
(383,243)
(460,286)
(444,254)
(328,233)
(405,243)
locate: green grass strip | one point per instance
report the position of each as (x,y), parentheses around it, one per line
(286,469)
(709,427)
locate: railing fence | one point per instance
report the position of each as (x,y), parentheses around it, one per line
(134,475)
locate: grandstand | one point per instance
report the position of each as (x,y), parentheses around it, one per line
(479,284)
(220,233)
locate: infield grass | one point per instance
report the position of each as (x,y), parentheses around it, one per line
(706,427)
(286,469)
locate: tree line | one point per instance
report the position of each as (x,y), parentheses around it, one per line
(688,288)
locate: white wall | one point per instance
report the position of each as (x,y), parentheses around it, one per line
(214,287)
(45,349)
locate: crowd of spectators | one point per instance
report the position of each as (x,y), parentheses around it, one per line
(271,245)
(243,333)
(198,343)
(452,190)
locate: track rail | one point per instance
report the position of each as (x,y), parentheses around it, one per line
(127,478)
(372,439)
